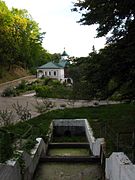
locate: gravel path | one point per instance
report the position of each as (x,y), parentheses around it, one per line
(7,102)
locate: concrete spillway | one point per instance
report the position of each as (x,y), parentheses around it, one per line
(72,160)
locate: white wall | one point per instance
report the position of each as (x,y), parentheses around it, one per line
(95,144)
(119,167)
(59,73)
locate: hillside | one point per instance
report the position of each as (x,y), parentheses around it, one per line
(15,73)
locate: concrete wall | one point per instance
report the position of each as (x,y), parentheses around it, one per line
(95,144)
(81,125)
(119,167)
(63,126)
(12,170)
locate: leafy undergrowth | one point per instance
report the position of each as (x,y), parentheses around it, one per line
(120,117)
(45,88)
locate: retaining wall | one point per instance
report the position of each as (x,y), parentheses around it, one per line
(12,170)
(95,144)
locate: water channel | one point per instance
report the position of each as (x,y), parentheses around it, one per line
(71,170)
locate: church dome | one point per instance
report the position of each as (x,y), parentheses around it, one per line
(64,53)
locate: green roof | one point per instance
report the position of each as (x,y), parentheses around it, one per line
(63,63)
(50,65)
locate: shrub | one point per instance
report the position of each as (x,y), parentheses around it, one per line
(29,144)
(54,82)
(43,106)
(9,91)
(22,85)
(5,117)
(43,91)
(22,112)
(46,81)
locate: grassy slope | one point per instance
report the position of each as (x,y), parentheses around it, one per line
(120,117)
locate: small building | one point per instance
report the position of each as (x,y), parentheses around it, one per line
(56,70)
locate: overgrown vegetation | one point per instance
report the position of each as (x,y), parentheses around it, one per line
(109,73)
(45,88)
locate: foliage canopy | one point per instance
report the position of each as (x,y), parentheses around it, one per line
(110,72)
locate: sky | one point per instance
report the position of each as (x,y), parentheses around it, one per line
(61,27)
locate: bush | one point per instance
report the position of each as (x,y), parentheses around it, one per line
(43,91)
(22,85)
(46,81)
(9,91)
(22,112)
(5,117)
(29,144)
(43,106)
(54,82)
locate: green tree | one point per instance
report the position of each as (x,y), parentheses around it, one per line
(112,69)
(112,16)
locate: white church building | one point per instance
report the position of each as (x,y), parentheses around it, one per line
(56,70)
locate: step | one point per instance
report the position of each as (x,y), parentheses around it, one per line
(68,145)
(90,159)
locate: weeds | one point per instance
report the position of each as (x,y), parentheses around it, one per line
(44,105)
(22,112)
(6,117)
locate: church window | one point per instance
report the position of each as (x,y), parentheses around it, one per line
(49,73)
(54,73)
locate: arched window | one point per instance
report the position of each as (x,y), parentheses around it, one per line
(54,73)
